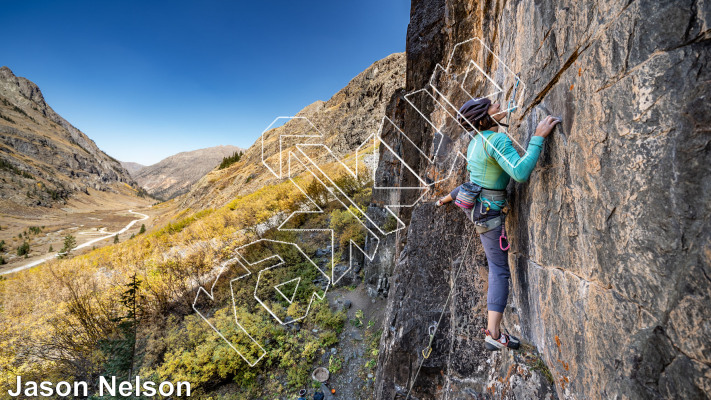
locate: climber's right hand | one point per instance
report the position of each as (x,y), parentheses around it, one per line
(545,127)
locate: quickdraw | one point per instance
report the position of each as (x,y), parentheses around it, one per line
(503,238)
(511,104)
(431,330)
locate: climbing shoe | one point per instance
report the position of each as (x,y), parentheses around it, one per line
(504,340)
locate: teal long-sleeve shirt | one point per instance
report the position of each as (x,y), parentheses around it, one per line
(493,170)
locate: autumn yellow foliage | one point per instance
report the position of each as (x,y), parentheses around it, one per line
(58,320)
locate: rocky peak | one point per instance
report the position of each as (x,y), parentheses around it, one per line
(45,150)
(25,87)
(345,120)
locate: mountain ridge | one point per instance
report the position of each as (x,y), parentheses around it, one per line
(345,120)
(175,175)
(132,167)
(45,159)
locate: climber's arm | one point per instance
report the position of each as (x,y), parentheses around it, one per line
(520,168)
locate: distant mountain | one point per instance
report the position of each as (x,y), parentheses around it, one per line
(132,167)
(176,174)
(345,120)
(43,158)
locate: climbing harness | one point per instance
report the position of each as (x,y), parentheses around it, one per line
(432,329)
(486,197)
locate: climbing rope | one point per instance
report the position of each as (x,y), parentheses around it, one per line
(432,329)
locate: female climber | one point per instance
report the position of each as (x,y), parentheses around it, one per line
(491,163)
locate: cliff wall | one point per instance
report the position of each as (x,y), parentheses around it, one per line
(44,158)
(610,236)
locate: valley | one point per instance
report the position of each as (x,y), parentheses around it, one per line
(85,217)
(234,203)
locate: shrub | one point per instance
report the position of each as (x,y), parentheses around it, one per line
(24,248)
(346,227)
(6,118)
(390,224)
(143,229)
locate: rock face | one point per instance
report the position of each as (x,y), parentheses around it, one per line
(609,237)
(175,175)
(44,158)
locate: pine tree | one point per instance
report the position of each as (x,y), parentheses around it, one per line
(121,349)
(116,239)
(143,229)
(70,243)
(24,249)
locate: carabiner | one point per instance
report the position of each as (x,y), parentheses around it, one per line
(481,207)
(502,238)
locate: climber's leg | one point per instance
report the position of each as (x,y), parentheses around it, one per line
(499,276)
(494,323)
(499,273)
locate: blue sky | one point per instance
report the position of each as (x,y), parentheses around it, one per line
(146,80)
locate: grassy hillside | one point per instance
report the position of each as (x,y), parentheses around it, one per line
(73,319)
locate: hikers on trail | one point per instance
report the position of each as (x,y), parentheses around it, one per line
(491,161)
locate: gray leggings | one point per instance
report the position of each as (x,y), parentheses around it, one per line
(498,260)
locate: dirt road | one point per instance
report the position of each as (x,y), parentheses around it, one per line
(85,244)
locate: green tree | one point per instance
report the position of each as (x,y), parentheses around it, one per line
(121,348)
(227,161)
(24,249)
(2,260)
(116,239)
(143,229)
(2,245)
(70,243)
(51,249)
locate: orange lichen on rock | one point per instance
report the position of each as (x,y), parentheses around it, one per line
(557,340)
(565,364)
